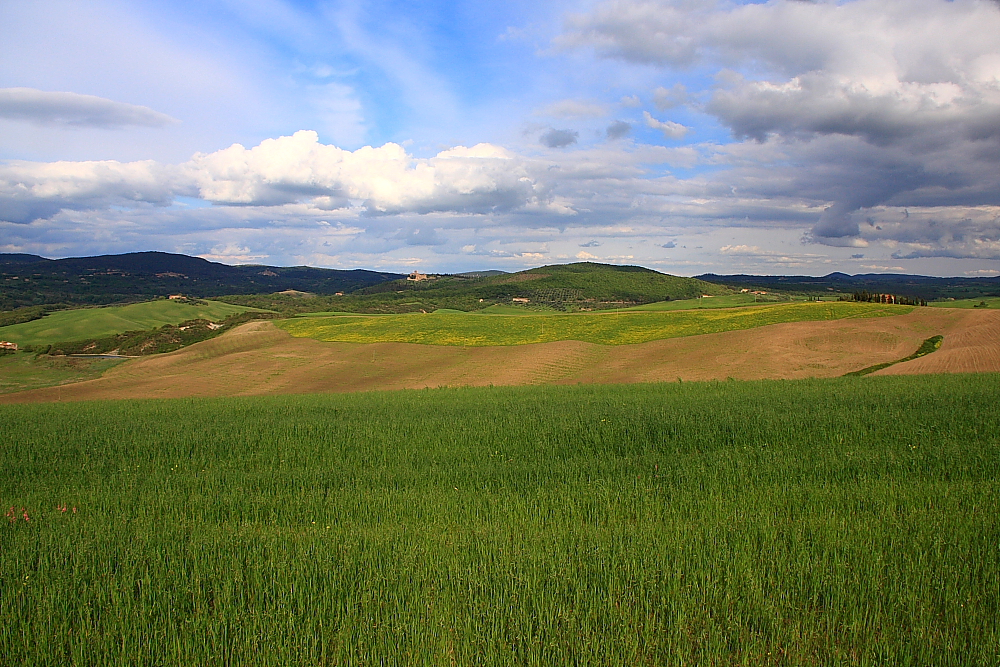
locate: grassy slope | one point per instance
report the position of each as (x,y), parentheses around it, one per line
(725,301)
(991,302)
(602,328)
(23,371)
(607,282)
(802,523)
(87,323)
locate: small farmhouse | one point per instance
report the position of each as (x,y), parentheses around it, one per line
(518,299)
(417,276)
(176,297)
(7,345)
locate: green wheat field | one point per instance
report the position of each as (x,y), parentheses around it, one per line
(605,328)
(821,522)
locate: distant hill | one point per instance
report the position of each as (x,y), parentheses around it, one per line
(480,274)
(925,287)
(19,258)
(29,280)
(584,285)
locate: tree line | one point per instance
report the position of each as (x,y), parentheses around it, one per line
(876,297)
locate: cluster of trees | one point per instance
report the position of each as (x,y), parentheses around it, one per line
(875,297)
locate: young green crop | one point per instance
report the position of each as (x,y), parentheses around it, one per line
(606,328)
(848,521)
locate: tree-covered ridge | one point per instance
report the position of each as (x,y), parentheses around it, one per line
(27,280)
(564,287)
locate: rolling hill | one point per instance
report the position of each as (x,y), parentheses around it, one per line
(89,323)
(561,287)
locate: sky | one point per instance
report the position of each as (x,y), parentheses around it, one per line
(686,136)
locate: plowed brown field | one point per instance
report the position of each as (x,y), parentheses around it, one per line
(973,347)
(258,358)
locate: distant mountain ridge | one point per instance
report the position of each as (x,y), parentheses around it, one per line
(31,280)
(27,280)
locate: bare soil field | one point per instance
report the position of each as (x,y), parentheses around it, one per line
(258,358)
(973,347)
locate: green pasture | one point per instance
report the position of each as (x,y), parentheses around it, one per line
(821,522)
(725,301)
(330,313)
(606,328)
(990,301)
(506,309)
(87,323)
(730,301)
(23,371)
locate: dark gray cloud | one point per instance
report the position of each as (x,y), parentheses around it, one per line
(618,129)
(420,236)
(818,104)
(73,109)
(554,138)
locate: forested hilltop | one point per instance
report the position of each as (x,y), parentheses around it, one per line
(30,280)
(563,287)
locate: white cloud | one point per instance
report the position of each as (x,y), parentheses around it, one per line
(882,268)
(384,180)
(233,253)
(479,179)
(31,190)
(766,257)
(670,129)
(73,109)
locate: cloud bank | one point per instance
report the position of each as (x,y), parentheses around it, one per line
(864,104)
(287,170)
(73,109)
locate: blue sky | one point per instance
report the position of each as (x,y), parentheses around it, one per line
(687,136)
